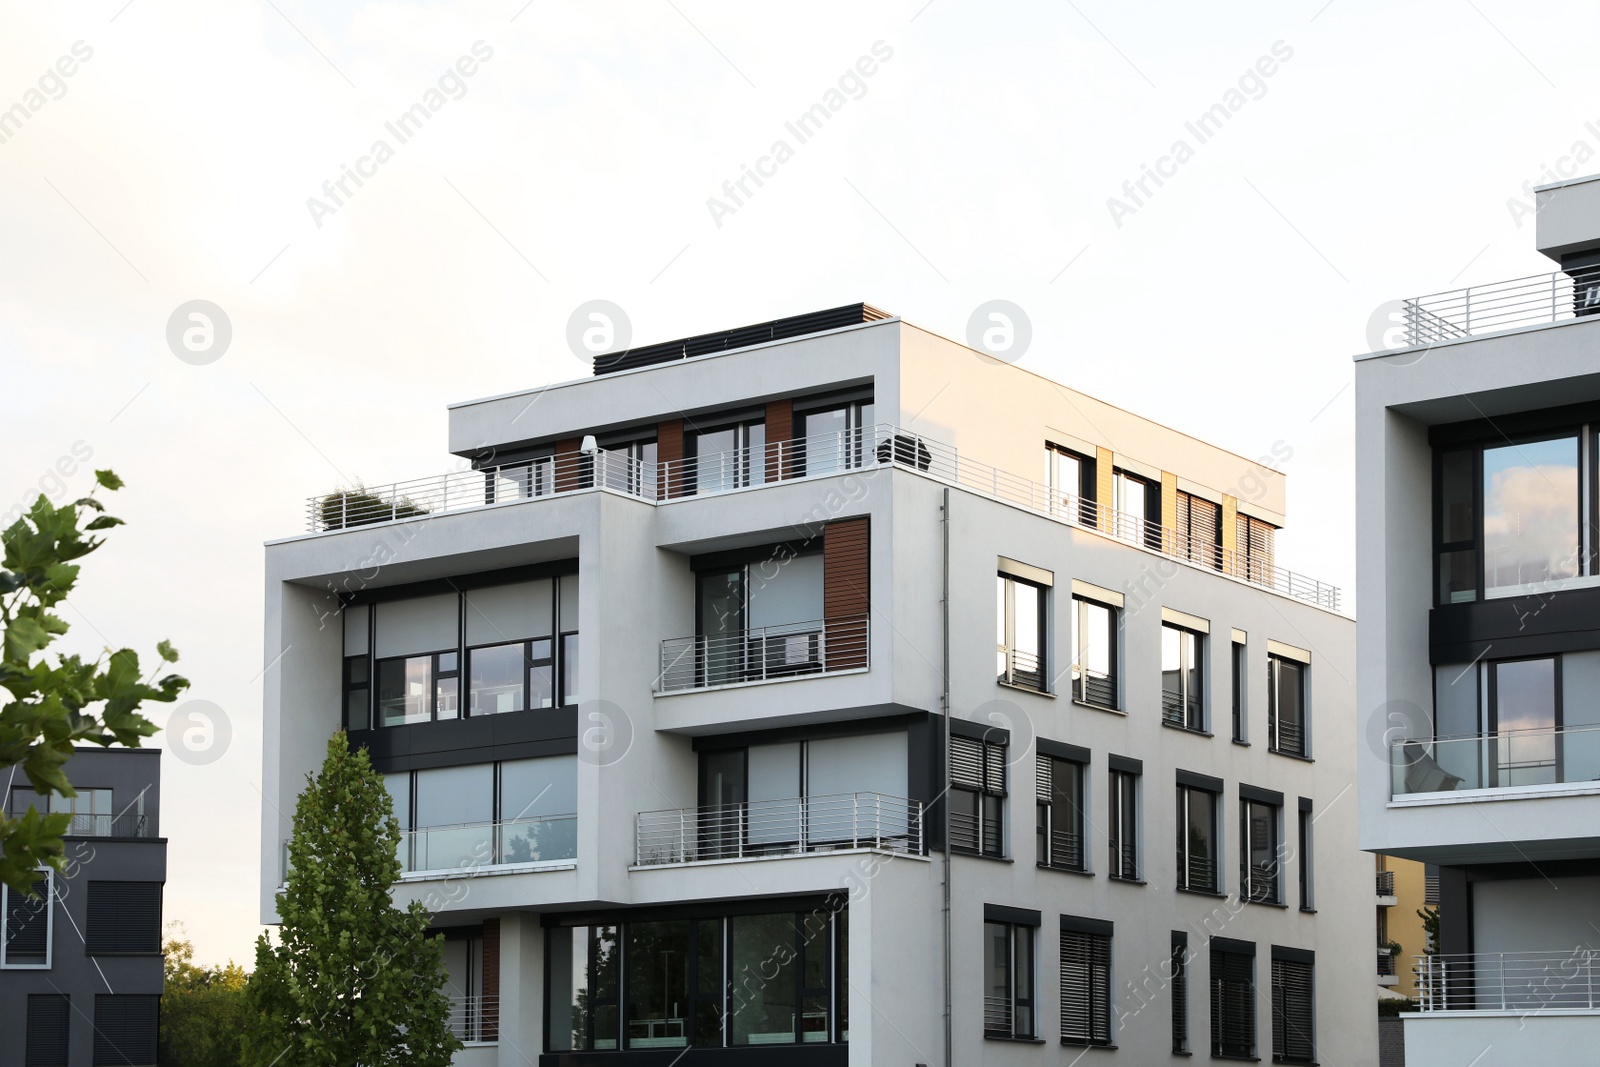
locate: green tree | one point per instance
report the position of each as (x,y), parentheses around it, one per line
(202,1010)
(353,979)
(49,708)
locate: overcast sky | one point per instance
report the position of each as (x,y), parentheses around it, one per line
(1383,156)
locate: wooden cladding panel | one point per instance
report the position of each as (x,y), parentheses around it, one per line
(567,473)
(846,598)
(491,978)
(669,454)
(780,430)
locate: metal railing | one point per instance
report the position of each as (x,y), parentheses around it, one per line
(126,824)
(1181,710)
(475,1019)
(1020,668)
(1094,687)
(343,509)
(789,650)
(468,845)
(1509,981)
(1504,305)
(1385,883)
(997,1015)
(819,455)
(794,827)
(1386,968)
(1510,758)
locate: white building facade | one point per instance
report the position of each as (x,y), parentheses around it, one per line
(1479,644)
(826,692)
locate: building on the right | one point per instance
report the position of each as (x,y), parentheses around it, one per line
(1478,644)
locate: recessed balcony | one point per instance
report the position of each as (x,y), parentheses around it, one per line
(475,1020)
(550,839)
(769,828)
(1512,762)
(765,654)
(1526,982)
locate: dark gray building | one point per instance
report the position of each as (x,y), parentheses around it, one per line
(80,967)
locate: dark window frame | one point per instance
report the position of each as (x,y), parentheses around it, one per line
(1255,885)
(1086,994)
(1037,679)
(1180,992)
(1122,822)
(1086,492)
(987,790)
(1184,857)
(1294,1016)
(1241,713)
(1072,854)
(1019,1004)
(1275,744)
(1233,992)
(1106,694)
(1191,707)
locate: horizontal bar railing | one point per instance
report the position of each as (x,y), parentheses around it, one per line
(126,824)
(1386,968)
(997,1015)
(1090,686)
(464,846)
(1528,982)
(788,650)
(1021,668)
(1502,305)
(823,823)
(1385,883)
(1510,758)
(475,1018)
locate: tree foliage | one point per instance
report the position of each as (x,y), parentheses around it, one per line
(202,1010)
(52,707)
(353,979)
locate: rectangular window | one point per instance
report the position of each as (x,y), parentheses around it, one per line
(1134,501)
(125,1029)
(1060,785)
(1180,992)
(1085,981)
(1071,478)
(1253,552)
(124,919)
(1531,532)
(1293,1000)
(832,439)
(1306,864)
(1456,526)
(977,796)
(1241,722)
(1199,533)
(726,458)
(1233,998)
(1094,651)
(1182,677)
(26,933)
(357,693)
(49,1018)
(1122,825)
(1008,980)
(1019,636)
(1258,852)
(1197,840)
(778,978)
(1286,706)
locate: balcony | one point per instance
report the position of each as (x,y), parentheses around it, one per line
(469,846)
(821,455)
(1387,974)
(764,654)
(760,829)
(1481,309)
(1523,982)
(475,1020)
(1510,760)
(1385,887)
(127,824)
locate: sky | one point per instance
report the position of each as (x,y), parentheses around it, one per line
(576,152)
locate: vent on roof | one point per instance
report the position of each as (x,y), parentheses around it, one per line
(741,337)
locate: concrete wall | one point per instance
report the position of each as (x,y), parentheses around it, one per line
(1450,1039)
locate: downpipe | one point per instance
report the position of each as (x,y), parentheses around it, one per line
(944,783)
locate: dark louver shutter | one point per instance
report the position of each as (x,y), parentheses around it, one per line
(966,762)
(1180,992)
(27,927)
(1044,779)
(1085,988)
(125,1030)
(124,917)
(1233,1004)
(48,1018)
(1291,1011)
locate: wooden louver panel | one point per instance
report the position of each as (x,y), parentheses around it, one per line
(846,600)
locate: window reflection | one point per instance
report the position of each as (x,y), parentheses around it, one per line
(1530,514)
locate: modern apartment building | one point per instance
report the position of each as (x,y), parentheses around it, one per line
(80,963)
(1479,644)
(826,692)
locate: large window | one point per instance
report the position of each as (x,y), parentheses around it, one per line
(1071,478)
(26,934)
(1137,506)
(1259,853)
(1293,1004)
(836,437)
(1085,981)
(1122,821)
(977,796)
(1008,979)
(482,814)
(1233,998)
(1060,784)
(1019,632)
(1198,869)
(1286,706)
(1182,677)
(757,619)
(417,689)
(1507,517)
(704,982)
(1094,650)
(726,457)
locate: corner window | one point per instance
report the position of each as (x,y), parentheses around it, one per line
(1094,645)
(1008,980)
(1085,981)
(1060,785)
(1293,1000)
(1182,677)
(1019,633)
(1197,839)
(1122,825)
(1286,706)
(1259,852)
(977,796)
(1071,479)
(26,933)
(1233,999)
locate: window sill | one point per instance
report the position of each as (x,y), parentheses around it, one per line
(1267,903)
(1201,892)
(981,856)
(1107,1045)
(1236,1059)
(1241,744)
(1013,1039)
(1129,881)
(1291,755)
(1081,872)
(1025,689)
(1098,707)
(1187,729)
(1308,911)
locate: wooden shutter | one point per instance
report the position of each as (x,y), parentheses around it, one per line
(49,1015)
(1199,527)
(1254,548)
(491,980)
(780,434)
(123,918)
(1233,1004)
(1292,1011)
(125,1030)
(669,458)
(1085,988)
(846,599)
(568,472)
